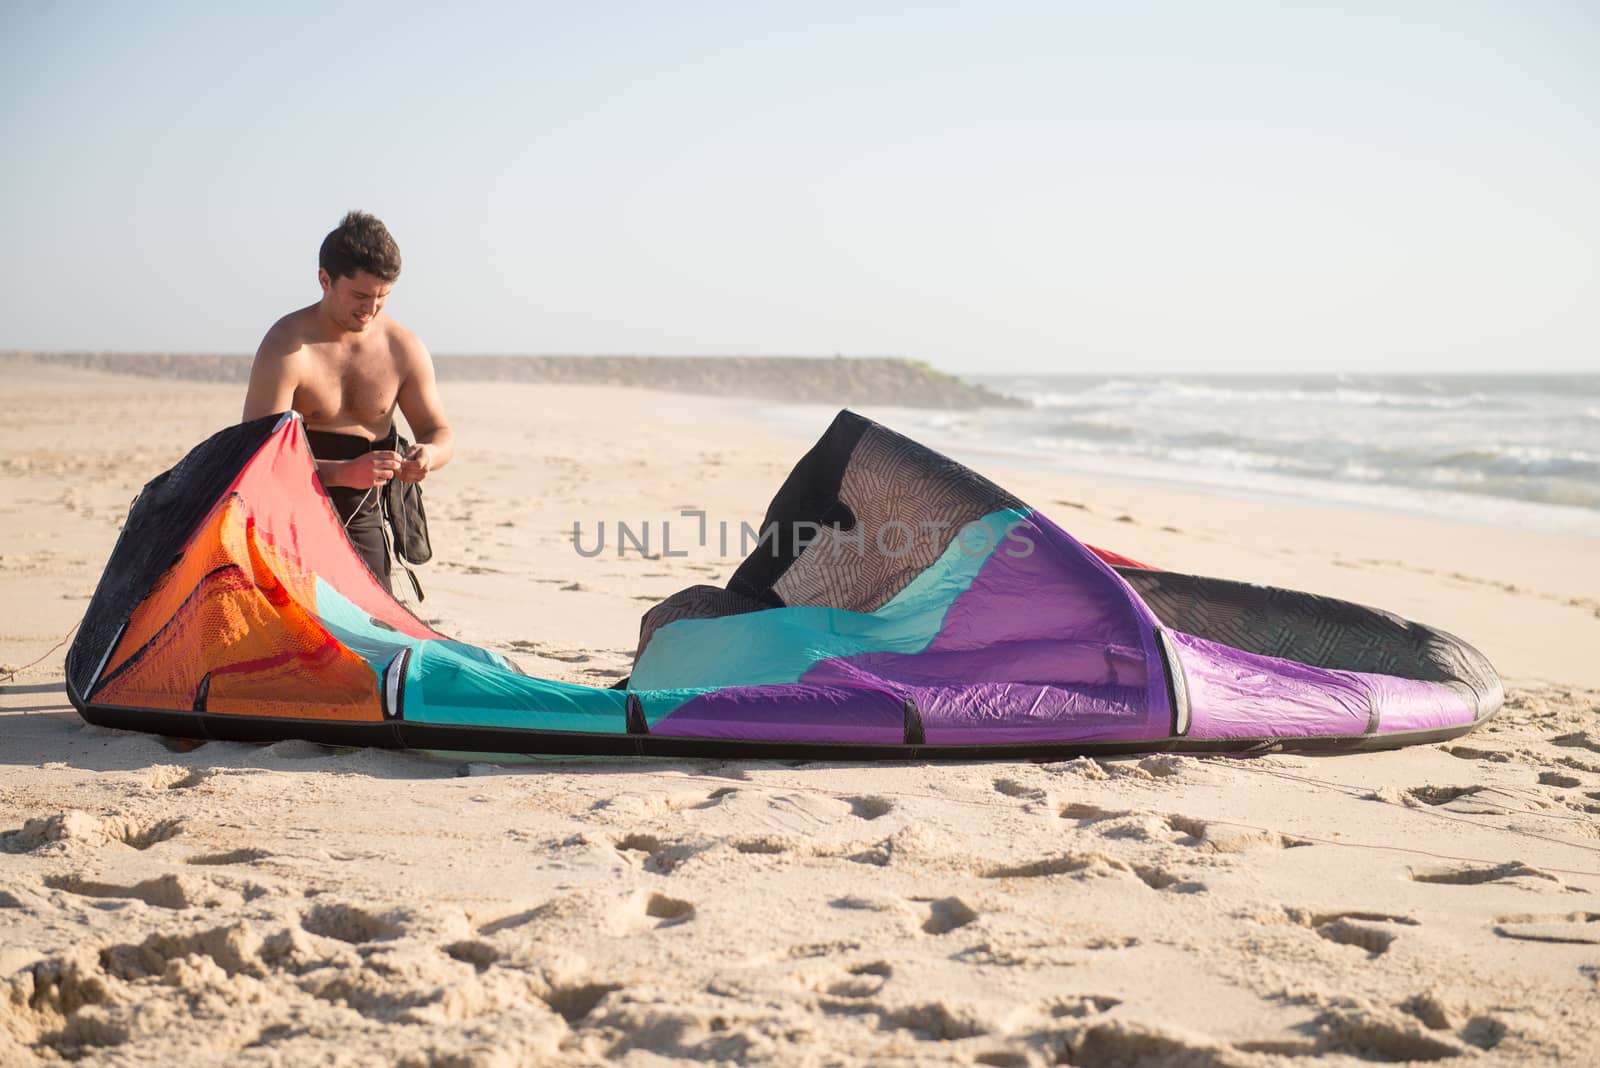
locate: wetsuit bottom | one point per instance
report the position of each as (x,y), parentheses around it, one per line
(360,510)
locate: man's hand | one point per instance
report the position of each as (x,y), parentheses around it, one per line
(416,463)
(364,472)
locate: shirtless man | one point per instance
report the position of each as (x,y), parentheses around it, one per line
(345,366)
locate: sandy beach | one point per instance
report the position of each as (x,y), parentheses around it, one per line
(166,903)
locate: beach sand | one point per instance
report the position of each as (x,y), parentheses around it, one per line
(162,903)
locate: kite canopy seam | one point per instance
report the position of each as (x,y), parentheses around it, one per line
(233,606)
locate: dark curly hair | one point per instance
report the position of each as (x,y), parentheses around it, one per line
(361,243)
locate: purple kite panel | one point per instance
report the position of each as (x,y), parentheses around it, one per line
(794,712)
(1235,694)
(1015,713)
(1040,582)
(1406,705)
(1034,691)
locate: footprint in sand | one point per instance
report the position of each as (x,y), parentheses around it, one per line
(77,827)
(1139,827)
(1475,875)
(1572,927)
(765,845)
(1472,752)
(812,950)
(647,910)
(870,808)
(1086,813)
(1221,838)
(171,891)
(936,1021)
(868,903)
(515,920)
(1557,778)
(1362,934)
(1065,864)
(574,1001)
(1579,740)
(1115,1042)
(1386,1036)
(166,777)
(1094,865)
(481,955)
(1308,918)
(862,980)
(349,923)
(660,855)
(1002,1058)
(648,804)
(717,796)
(1159,878)
(232,856)
(1463,799)
(237,949)
(1013,788)
(1080,1006)
(948,914)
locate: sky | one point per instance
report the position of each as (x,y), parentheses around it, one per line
(991,187)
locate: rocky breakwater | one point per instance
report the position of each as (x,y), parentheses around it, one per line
(842,380)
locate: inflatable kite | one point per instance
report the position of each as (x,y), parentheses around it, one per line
(897,605)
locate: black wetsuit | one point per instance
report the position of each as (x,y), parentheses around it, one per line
(360,510)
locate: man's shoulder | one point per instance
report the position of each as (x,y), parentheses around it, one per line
(287,337)
(405,345)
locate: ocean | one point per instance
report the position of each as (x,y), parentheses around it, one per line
(1512,450)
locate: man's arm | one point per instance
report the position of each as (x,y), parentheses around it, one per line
(273,376)
(424,412)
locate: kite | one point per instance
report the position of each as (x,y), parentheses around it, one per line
(898,605)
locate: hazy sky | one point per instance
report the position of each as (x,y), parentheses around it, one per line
(988,186)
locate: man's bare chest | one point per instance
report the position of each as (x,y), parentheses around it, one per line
(342,392)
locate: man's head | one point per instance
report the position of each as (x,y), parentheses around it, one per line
(357,266)
(360,243)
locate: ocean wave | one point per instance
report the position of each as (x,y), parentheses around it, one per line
(1514,438)
(1534,460)
(1096,394)
(1504,394)
(1091,430)
(1301,396)
(1221,456)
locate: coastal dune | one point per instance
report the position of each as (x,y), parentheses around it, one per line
(163,902)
